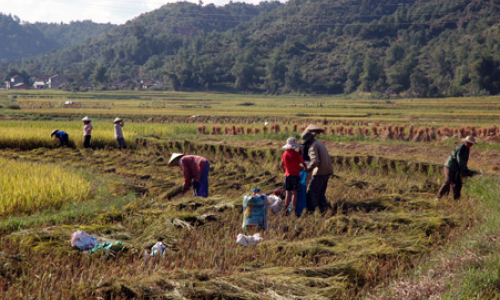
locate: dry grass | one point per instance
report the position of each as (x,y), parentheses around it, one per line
(372,231)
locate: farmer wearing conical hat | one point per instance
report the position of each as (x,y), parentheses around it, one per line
(119,133)
(87,132)
(62,136)
(455,167)
(321,169)
(304,150)
(195,170)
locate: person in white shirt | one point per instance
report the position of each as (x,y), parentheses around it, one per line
(119,133)
(87,132)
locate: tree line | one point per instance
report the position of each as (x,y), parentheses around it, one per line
(419,48)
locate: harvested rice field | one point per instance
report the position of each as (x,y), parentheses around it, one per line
(384,235)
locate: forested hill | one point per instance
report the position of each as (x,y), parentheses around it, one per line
(20,39)
(422,48)
(73,33)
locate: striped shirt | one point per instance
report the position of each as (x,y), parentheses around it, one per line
(192,167)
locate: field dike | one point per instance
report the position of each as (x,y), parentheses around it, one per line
(382,221)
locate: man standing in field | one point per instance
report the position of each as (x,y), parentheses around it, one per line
(455,167)
(195,170)
(291,161)
(321,168)
(119,133)
(62,136)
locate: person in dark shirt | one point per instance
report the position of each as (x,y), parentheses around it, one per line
(62,136)
(455,167)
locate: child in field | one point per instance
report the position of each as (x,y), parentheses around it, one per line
(87,132)
(62,136)
(119,133)
(255,208)
(290,163)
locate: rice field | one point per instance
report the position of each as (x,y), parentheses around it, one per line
(28,187)
(383,223)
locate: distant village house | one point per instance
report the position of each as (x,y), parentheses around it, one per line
(57,81)
(16,82)
(39,85)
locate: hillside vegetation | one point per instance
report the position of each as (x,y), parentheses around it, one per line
(421,48)
(22,39)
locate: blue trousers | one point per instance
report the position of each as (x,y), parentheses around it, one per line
(200,188)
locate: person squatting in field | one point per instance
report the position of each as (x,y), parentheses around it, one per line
(455,167)
(321,168)
(195,170)
(255,208)
(120,140)
(291,161)
(62,136)
(87,132)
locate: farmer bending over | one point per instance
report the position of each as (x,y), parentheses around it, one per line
(455,167)
(195,170)
(62,136)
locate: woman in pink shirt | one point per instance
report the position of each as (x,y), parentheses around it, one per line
(87,132)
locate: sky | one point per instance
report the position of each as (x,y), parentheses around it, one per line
(99,11)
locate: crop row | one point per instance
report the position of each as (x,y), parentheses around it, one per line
(28,187)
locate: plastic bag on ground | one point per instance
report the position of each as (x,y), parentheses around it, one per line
(83,241)
(275,203)
(248,240)
(158,249)
(105,246)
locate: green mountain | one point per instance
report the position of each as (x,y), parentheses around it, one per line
(20,39)
(412,47)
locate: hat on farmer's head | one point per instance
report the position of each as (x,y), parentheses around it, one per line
(256,190)
(314,128)
(277,192)
(306,136)
(175,158)
(470,139)
(291,143)
(117,120)
(86,119)
(54,132)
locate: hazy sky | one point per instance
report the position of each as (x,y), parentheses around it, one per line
(100,11)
